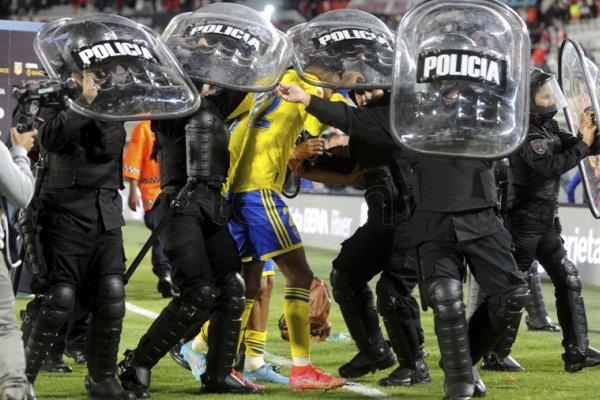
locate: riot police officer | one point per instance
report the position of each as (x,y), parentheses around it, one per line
(380,246)
(194,160)
(447,230)
(534,181)
(81,229)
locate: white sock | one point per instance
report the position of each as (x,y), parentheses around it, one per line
(252,363)
(300,361)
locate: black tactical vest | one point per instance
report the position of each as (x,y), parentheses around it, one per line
(444,184)
(208,155)
(94,162)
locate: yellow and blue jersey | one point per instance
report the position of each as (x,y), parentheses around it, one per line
(262,144)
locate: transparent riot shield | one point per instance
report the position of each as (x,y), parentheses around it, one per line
(344,48)
(135,74)
(229,45)
(461,79)
(578,77)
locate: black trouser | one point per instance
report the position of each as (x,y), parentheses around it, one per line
(536,235)
(206,269)
(85,263)
(442,265)
(160,262)
(379,247)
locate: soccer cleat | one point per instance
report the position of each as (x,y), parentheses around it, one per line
(266,374)
(309,377)
(196,361)
(175,354)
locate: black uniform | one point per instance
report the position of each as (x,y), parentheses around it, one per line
(380,246)
(534,182)
(455,220)
(81,221)
(197,243)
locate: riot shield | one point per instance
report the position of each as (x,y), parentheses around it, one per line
(461,88)
(135,74)
(578,77)
(229,45)
(344,49)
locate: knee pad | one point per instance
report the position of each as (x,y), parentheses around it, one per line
(344,287)
(515,299)
(57,305)
(232,292)
(201,296)
(392,300)
(571,275)
(445,298)
(110,298)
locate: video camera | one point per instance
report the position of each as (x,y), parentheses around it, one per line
(31,95)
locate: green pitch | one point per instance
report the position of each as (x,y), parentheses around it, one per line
(538,352)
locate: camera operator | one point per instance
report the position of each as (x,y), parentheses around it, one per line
(16,186)
(81,219)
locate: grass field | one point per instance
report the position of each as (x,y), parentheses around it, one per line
(538,352)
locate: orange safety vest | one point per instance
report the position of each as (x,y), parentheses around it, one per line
(138,166)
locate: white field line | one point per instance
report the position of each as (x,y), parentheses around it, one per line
(278,360)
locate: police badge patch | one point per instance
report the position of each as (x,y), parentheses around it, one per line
(539,146)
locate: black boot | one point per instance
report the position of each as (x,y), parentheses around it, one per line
(106,389)
(54,363)
(543,324)
(402,376)
(134,378)
(361,364)
(233,383)
(576,360)
(78,355)
(491,362)
(479,389)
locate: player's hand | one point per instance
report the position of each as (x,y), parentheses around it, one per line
(309,148)
(24,139)
(292,93)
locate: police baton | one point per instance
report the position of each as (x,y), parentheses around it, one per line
(179,201)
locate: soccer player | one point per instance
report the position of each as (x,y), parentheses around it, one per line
(261,224)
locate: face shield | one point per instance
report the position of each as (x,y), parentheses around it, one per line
(546,97)
(229,45)
(358,45)
(136,75)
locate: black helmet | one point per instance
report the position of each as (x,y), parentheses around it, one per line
(83,35)
(538,79)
